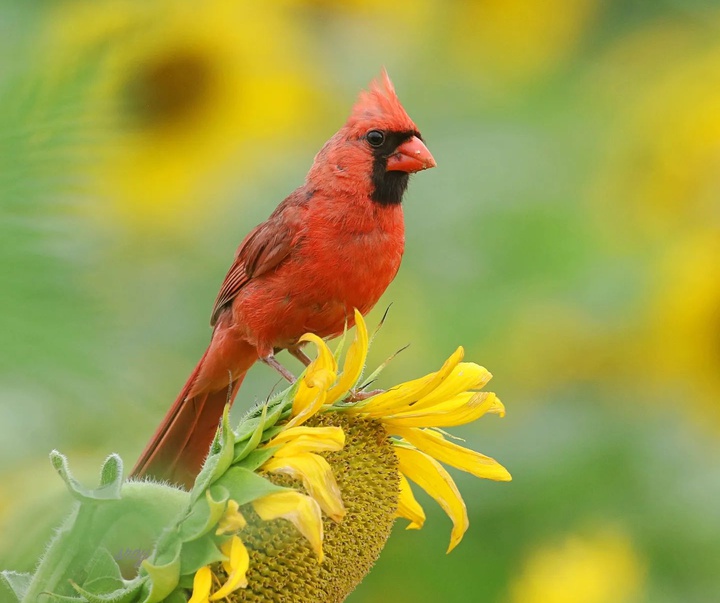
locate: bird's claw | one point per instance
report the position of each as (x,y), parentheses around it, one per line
(359,395)
(272,362)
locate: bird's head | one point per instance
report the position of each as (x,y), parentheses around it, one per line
(379,145)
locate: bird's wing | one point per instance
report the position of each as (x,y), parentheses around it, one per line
(267,245)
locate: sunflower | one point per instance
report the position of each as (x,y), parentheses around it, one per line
(681,338)
(295,503)
(515,40)
(599,568)
(660,170)
(183,97)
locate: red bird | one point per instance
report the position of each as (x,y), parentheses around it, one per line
(333,245)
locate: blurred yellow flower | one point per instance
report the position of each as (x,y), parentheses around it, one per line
(683,342)
(662,162)
(185,96)
(603,568)
(511,40)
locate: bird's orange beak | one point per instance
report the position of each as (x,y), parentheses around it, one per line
(411,156)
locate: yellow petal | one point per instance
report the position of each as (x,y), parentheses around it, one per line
(433,443)
(307,402)
(325,359)
(232,520)
(498,408)
(239,564)
(354,361)
(462,409)
(296,440)
(201,585)
(302,511)
(317,477)
(396,397)
(464,377)
(430,475)
(408,507)
(407,393)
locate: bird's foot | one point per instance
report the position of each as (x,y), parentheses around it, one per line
(296,351)
(270,360)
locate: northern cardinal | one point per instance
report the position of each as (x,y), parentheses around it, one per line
(332,245)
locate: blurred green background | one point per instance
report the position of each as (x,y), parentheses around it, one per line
(569,239)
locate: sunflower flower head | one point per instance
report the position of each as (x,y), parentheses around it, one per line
(297,502)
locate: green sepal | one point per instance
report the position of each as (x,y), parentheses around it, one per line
(271,432)
(374,375)
(279,411)
(245,486)
(218,462)
(176,596)
(53,598)
(17,582)
(341,344)
(257,457)
(205,514)
(274,409)
(163,578)
(103,575)
(111,479)
(111,473)
(167,547)
(103,565)
(242,450)
(197,554)
(127,593)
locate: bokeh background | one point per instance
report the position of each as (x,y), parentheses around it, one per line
(569,239)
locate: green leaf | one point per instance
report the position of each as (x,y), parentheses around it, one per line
(105,492)
(164,578)
(243,450)
(245,486)
(257,457)
(204,515)
(17,582)
(198,553)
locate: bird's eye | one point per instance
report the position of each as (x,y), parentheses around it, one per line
(375,138)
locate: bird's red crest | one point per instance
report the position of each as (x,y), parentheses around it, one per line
(379,107)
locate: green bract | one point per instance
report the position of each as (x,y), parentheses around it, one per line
(157,533)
